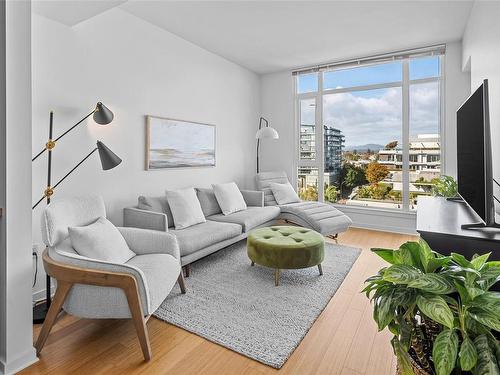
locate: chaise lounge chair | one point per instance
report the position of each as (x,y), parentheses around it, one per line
(321,217)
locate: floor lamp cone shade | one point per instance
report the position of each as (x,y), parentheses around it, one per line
(109,159)
(102,114)
(267,132)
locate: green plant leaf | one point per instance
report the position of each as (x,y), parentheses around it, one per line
(462,291)
(467,354)
(436,308)
(385,254)
(414,249)
(433,283)
(486,318)
(383,312)
(425,254)
(401,274)
(444,352)
(478,261)
(460,260)
(486,361)
(434,263)
(402,356)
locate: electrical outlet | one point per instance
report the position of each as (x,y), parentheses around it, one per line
(34,249)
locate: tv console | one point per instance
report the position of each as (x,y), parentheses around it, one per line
(440,224)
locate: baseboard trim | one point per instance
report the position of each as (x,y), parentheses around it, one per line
(16,365)
(40,295)
(382,228)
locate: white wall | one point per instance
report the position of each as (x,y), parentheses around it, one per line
(16,332)
(277,104)
(481,54)
(136,69)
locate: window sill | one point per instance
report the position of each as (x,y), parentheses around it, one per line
(374,211)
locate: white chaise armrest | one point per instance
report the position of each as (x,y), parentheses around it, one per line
(137,218)
(146,241)
(253,198)
(79,261)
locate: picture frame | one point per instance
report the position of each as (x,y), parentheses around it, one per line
(177,144)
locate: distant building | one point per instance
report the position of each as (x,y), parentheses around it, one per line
(333,146)
(425,155)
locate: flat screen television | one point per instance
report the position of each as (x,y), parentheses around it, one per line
(474,160)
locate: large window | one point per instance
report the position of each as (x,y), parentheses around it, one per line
(369,134)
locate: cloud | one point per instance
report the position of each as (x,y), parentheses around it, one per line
(375,116)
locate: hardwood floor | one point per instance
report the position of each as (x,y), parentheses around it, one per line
(343,340)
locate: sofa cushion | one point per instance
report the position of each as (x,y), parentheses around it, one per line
(100,240)
(161,272)
(263,180)
(208,201)
(203,235)
(322,217)
(156,204)
(229,198)
(250,218)
(185,207)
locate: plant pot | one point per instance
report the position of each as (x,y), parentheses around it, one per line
(416,369)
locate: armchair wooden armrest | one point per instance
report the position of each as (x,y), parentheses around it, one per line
(67,275)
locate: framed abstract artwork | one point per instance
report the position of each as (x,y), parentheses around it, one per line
(174,143)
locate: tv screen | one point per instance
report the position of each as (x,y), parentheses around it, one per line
(474,154)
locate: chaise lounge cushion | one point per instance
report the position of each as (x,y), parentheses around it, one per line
(250,218)
(202,235)
(321,217)
(160,271)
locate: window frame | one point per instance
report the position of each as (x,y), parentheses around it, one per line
(404,84)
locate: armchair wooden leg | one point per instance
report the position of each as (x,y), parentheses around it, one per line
(181,282)
(134,303)
(62,290)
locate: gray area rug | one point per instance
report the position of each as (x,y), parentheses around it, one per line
(237,306)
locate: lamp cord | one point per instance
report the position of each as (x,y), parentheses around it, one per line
(36,268)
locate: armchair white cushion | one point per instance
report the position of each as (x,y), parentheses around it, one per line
(155,267)
(100,240)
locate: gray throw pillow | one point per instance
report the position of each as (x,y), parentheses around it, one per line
(284,193)
(185,207)
(208,201)
(100,240)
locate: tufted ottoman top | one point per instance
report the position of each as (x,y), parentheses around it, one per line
(285,247)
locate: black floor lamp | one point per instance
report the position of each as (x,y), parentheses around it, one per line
(103,116)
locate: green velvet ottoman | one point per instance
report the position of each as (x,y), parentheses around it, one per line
(285,247)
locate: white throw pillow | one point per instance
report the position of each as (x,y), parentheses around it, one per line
(185,207)
(100,240)
(284,193)
(229,198)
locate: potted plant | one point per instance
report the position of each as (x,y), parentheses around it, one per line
(440,309)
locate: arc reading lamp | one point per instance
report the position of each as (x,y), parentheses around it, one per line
(266,132)
(103,116)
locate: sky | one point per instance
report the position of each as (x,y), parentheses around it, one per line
(374,116)
(180,135)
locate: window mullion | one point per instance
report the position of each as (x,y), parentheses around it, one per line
(406,135)
(320,156)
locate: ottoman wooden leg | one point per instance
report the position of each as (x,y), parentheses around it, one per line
(253,264)
(320,269)
(277,277)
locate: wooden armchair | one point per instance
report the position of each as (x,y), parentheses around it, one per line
(91,288)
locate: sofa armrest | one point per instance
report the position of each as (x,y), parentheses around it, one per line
(253,198)
(137,218)
(79,261)
(146,241)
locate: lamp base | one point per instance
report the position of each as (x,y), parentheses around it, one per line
(40,311)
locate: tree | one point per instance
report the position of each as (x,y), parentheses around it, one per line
(391,145)
(376,172)
(309,193)
(331,193)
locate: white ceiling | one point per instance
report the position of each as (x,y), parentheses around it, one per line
(267,36)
